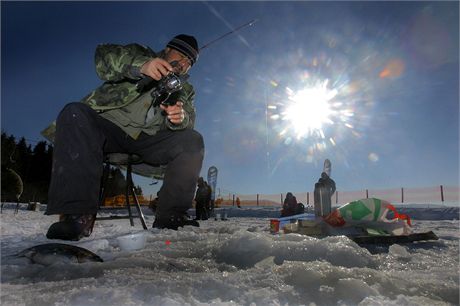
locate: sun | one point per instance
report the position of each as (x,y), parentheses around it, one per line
(309,109)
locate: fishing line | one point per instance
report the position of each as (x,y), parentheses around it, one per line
(247,24)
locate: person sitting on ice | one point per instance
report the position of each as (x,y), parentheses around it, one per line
(289,205)
(126,114)
(300,209)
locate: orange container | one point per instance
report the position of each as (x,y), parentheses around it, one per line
(274,225)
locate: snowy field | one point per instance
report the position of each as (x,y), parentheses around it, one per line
(234,262)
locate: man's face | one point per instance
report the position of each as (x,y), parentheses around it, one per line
(183,63)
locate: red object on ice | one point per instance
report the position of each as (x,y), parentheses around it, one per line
(334,218)
(274,225)
(168,242)
(398,215)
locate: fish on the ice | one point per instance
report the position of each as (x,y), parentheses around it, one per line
(51,253)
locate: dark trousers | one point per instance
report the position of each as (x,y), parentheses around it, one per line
(82,139)
(201,211)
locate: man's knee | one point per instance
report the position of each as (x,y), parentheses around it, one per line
(75,111)
(192,140)
(75,107)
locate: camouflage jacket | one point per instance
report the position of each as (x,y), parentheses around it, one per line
(119,67)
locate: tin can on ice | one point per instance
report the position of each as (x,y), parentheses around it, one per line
(274,226)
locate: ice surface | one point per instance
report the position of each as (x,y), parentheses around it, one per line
(234,262)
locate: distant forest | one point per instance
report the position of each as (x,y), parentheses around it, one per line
(31,166)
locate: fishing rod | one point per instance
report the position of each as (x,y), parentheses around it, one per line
(247,24)
(173,82)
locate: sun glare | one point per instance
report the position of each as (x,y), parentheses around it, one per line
(309,109)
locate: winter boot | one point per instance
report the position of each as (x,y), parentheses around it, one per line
(72,227)
(174,221)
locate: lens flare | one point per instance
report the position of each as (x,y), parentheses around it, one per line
(323,107)
(309,109)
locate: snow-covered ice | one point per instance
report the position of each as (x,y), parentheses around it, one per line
(234,262)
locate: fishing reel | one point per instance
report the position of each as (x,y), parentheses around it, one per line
(163,88)
(166,86)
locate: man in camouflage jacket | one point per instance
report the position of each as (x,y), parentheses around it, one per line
(122,117)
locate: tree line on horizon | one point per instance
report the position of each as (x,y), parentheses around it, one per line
(33,166)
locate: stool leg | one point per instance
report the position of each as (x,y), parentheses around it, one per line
(129,179)
(129,190)
(105,179)
(138,207)
(129,183)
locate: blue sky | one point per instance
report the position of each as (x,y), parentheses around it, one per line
(391,70)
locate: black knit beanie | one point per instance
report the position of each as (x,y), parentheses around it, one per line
(186,45)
